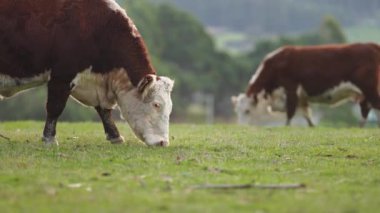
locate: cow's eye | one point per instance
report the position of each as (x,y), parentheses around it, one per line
(156,105)
(246,111)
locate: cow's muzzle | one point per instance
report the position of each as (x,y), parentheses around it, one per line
(162,143)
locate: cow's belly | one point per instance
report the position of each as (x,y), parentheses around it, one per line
(338,95)
(334,97)
(10,86)
(92,90)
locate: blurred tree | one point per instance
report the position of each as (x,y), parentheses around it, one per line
(331,31)
(273,17)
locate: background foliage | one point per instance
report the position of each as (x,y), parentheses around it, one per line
(263,17)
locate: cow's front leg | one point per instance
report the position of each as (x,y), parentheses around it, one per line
(307,114)
(291,105)
(58,93)
(109,126)
(306,111)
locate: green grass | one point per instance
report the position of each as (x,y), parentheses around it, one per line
(340,167)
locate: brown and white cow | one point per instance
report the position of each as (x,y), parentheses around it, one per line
(291,77)
(261,114)
(89,50)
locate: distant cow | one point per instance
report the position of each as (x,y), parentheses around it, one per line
(90,50)
(291,77)
(261,113)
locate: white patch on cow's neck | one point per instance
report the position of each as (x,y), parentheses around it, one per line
(9,86)
(262,64)
(135,31)
(95,89)
(336,96)
(278,100)
(257,73)
(273,53)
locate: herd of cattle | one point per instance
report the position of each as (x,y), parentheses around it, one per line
(92,51)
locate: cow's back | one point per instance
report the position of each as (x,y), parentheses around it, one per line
(25,35)
(319,68)
(36,35)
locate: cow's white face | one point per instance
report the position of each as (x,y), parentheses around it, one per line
(250,111)
(243,107)
(147,109)
(253,112)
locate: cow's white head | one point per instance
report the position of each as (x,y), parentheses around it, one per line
(250,110)
(147,109)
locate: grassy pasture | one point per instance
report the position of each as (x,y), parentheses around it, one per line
(340,167)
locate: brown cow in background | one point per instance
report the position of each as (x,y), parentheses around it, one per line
(293,76)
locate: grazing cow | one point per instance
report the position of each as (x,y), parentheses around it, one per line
(291,77)
(261,113)
(89,50)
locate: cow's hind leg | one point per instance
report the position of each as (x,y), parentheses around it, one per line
(109,126)
(377,113)
(58,93)
(306,111)
(364,110)
(370,88)
(374,101)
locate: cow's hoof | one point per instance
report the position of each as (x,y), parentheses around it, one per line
(118,140)
(50,141)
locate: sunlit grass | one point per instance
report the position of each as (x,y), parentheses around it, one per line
(340,168)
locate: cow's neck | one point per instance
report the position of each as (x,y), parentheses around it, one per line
(255,89)
(137,62)
(259,82)
(118,83)
(134,56)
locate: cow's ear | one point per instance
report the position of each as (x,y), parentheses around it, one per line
(145,84)
(167,83)
(234,100)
